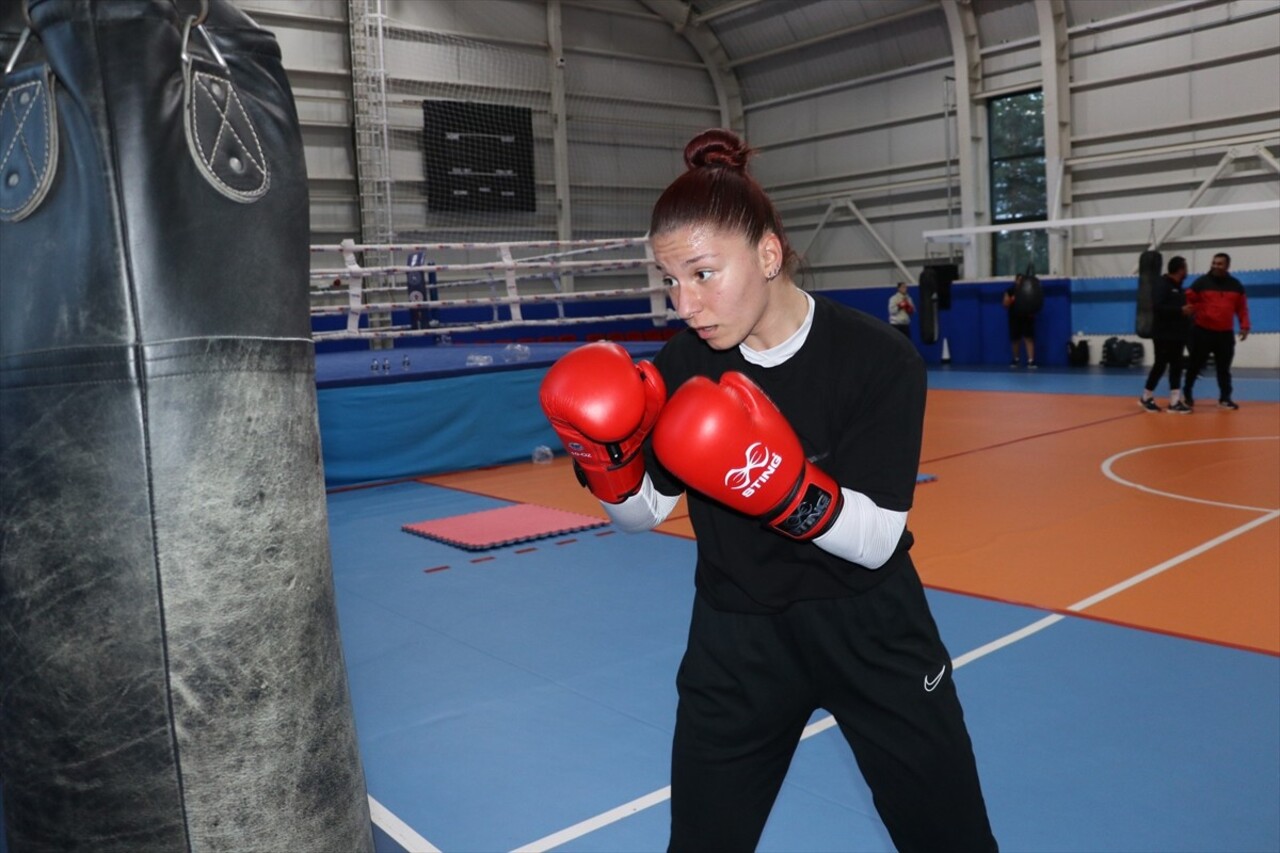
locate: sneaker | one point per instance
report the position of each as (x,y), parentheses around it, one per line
(1031,365)
(1187,401)
(1180,408)
(1013,364)
(1227,404)
(1150,405)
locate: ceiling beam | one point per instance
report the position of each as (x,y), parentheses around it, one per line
(707,45)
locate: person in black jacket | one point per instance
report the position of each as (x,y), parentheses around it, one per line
(1169,329)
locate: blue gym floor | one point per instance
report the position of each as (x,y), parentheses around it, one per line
(502,702)
(523,698)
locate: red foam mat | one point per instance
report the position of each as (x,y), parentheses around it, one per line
(493,528)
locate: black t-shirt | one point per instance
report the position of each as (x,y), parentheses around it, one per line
(854,394)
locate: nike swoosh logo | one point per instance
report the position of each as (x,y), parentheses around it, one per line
(931,684)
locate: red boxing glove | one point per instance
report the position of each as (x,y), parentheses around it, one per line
(908,307)
(730,442)
(603,405)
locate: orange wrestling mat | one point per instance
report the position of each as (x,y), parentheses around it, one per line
(1070,503)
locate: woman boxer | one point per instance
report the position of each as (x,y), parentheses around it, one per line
(794,426)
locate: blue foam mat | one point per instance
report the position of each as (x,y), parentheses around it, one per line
(502,701)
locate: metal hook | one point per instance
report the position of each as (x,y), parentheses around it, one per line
(193,21)
(17,51)
(204,11)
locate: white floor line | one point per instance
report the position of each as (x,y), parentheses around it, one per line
(592,824)
(1111,475)
(816,727)
(401,833)
(821,725)
(1173,561)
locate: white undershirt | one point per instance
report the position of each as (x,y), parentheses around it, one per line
(862,533)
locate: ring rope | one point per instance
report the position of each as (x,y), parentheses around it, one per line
(405,332)
(595,245)
(346,272)
(374,307)
(368,285)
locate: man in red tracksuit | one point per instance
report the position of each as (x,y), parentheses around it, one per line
(1213,303)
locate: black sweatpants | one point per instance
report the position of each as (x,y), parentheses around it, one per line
(749,683)
(1223,347)
(1168,354)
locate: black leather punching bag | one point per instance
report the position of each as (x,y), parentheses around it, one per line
(1150,264)
(1028,298)
(171,676)
(929,287)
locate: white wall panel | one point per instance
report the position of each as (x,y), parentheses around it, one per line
(916,143)
(499,19)
(1145,103)
(332,9)
(628,78)
(1239,87)
(462,65)
(311,48)
(1005,20)
(329,153)
(599,29)
(1017,67)
(916,92)
(850,108)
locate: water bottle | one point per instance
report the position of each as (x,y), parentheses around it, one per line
(515,352)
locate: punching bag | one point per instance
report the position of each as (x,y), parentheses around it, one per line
(929,305)
(1149,265)
(171,676)
(1028,298)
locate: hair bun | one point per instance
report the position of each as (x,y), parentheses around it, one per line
(717,148)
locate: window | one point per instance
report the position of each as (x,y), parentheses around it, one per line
(1015,134)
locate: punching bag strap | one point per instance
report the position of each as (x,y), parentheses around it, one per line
(28,135)
(220,135)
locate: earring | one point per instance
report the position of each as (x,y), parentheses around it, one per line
(772,274)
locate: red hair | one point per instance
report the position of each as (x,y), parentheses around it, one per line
(716,189)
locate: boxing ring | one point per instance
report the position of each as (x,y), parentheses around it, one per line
(482,291)
(434,409)
(429,355)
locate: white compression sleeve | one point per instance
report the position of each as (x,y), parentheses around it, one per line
(863,533)
(644,510)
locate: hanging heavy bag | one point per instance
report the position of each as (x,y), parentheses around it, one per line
(1149,265)
(171,676)
(1028,297)
(929,306)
